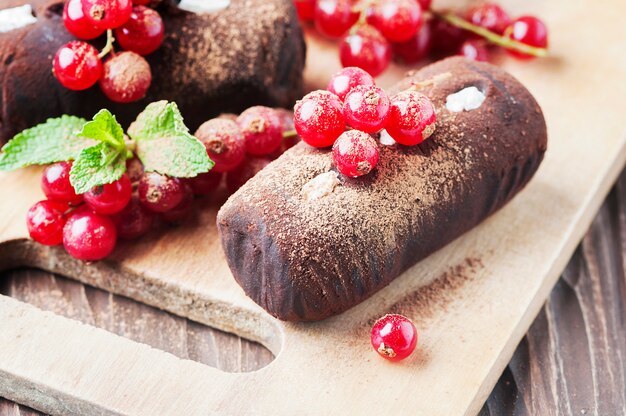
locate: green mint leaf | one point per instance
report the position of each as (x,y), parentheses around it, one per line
(164,144)
(97,165)
(104,128)
(53,141)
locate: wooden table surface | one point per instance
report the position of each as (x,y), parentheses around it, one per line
(570,362)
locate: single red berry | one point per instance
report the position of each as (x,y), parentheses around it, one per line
(411,118)
(205,183)
(126,77)
(224,143)
(160,193)
(446,38)
(261,130)
(490,16)
(355,153)
(77,24)
(414,49)
(397,20)
(286,119)
(394,337)
(246,171)
(143,32)
(425,4)
(343,81)
(305,9)
(89,236)
(76,65)
(474,49)
(107,14)
(55,184)
(45,221)
(333,18)
(528,30)
(366,108)
(319,119)
(366,49)
(133,221)
(110,198)
(181,212)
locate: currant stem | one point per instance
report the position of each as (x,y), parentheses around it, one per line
(109,45)
(491,36)
(289,133)
(362,7)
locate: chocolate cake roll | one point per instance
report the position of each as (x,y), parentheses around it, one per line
(307,243)
(251,52)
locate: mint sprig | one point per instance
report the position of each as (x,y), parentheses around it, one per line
(164,144)
(99,147)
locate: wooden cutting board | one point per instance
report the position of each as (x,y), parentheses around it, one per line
(471,301)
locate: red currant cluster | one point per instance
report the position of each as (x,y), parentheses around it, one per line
(125,77)
(353,99)
(89,225)
(372,31)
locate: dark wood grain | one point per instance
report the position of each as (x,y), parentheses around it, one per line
(571,362)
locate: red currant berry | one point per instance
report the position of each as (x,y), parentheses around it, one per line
(397,20)
(134,169)
(107,14)
(181,212)
(77,24)
(366,108)
(305,9)
(475,50)
(286,119)
(110,198)
(290,136)
(446,38)
(160,193)
(414,49)
(261,130)
(333,18)
(343,81)
(205,183)
(355,153)
(425,4)
(76,65)
(133,221)
(411,118)
(366,49)
(55,184)
(394,337)
(45,221)
(89,236)
(529,30)
(126,78)
(224,143)
(490,16)
(143,33)
(250,167)
(318,118)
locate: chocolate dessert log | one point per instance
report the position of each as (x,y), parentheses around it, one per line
(252,52)
(307,243)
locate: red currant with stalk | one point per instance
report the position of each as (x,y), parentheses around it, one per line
(160,193)
(319,119)
(355,153)
(77,66)
(133,221)
(261,129)
(89,236)
(411,118)
(528,30)
(394,337)
(143,32)
(224,143)
(366,108)
(110,198)
(107,14)
(77,24)
(343,81)
(126,77)
(397,20)
(367,49)
(333,18)
(490,16)
(55,184)
(45,221)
